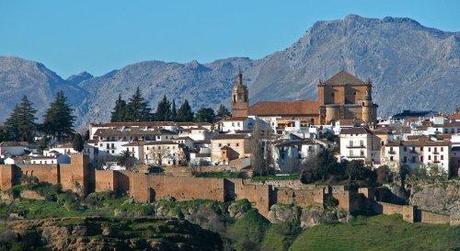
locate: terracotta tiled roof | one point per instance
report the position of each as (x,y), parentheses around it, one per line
(344,78)
(356,130)
(230,136)
(455,116)
(419,142)
(286,108)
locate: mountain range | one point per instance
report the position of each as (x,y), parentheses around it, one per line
(411,67)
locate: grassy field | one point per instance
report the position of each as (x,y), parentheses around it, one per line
(381,232)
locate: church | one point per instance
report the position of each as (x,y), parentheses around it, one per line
(342,97)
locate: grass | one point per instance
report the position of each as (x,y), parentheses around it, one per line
(293,176)
(383,232)
(221,175)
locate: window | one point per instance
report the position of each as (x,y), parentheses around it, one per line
(429,149)
(442,157)
(237,144)
(220,145)
(421,158)
(429,157)
(405,149)
(404,159)
(362,153)
(391,158)
(413,159)
(351,143)
(442,149)
(361,143)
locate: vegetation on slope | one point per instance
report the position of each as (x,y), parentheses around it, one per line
(383,232)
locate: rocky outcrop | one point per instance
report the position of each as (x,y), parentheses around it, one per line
(307,217)
(439,196)
(98,233)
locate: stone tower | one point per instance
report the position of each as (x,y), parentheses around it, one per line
(368,108)
(240,102)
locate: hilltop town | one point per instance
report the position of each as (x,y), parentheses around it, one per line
(334,151)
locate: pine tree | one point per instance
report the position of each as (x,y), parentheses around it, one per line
(78,144)
(205,115)
(164,110)
(137,108)
(223,112)
(58,119)
(173,111)
(21,125)
(119,111)
(185,113)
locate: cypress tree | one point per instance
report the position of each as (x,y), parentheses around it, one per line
(119,111)
(173,111)
(20,126)
(137,108)
(58,119)
(185,113)
(163,110)
(78,144)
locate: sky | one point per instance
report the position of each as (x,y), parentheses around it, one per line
(98,36)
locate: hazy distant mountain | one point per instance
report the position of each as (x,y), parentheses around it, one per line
(412,66)
(78,78)
(19,77)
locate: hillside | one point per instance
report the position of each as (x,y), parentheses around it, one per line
(19,77)
(422,63)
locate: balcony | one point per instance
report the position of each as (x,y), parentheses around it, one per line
(355,156)
(358,146)
(436,161)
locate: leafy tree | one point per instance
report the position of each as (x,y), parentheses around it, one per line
(126,159)
(21,125)
(261,150)
(119,112)
(137,108)
(4,134)
(163,110)
(320,167)
(59,120)
(185,112)
(223,111)
(205,115)
(173,111)
(43,143)
(78,143)
(356,170)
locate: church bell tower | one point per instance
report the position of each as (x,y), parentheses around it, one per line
(240,102)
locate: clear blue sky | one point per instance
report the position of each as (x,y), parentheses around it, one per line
(99,35)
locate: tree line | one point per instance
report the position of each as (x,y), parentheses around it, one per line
(57,122)
(137,109)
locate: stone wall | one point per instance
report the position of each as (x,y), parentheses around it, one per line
(44,173)
(263,196)
(300,197)
(7,176)
(77,176)
(433,218)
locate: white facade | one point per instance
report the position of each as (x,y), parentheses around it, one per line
(416,153)
(360,144)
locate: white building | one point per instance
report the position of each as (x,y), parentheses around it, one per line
(417,152)
(290,150)
(359,143)
(50,160)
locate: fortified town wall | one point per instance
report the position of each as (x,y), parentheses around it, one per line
(79,177)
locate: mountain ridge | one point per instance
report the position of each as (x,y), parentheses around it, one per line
(426,73)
